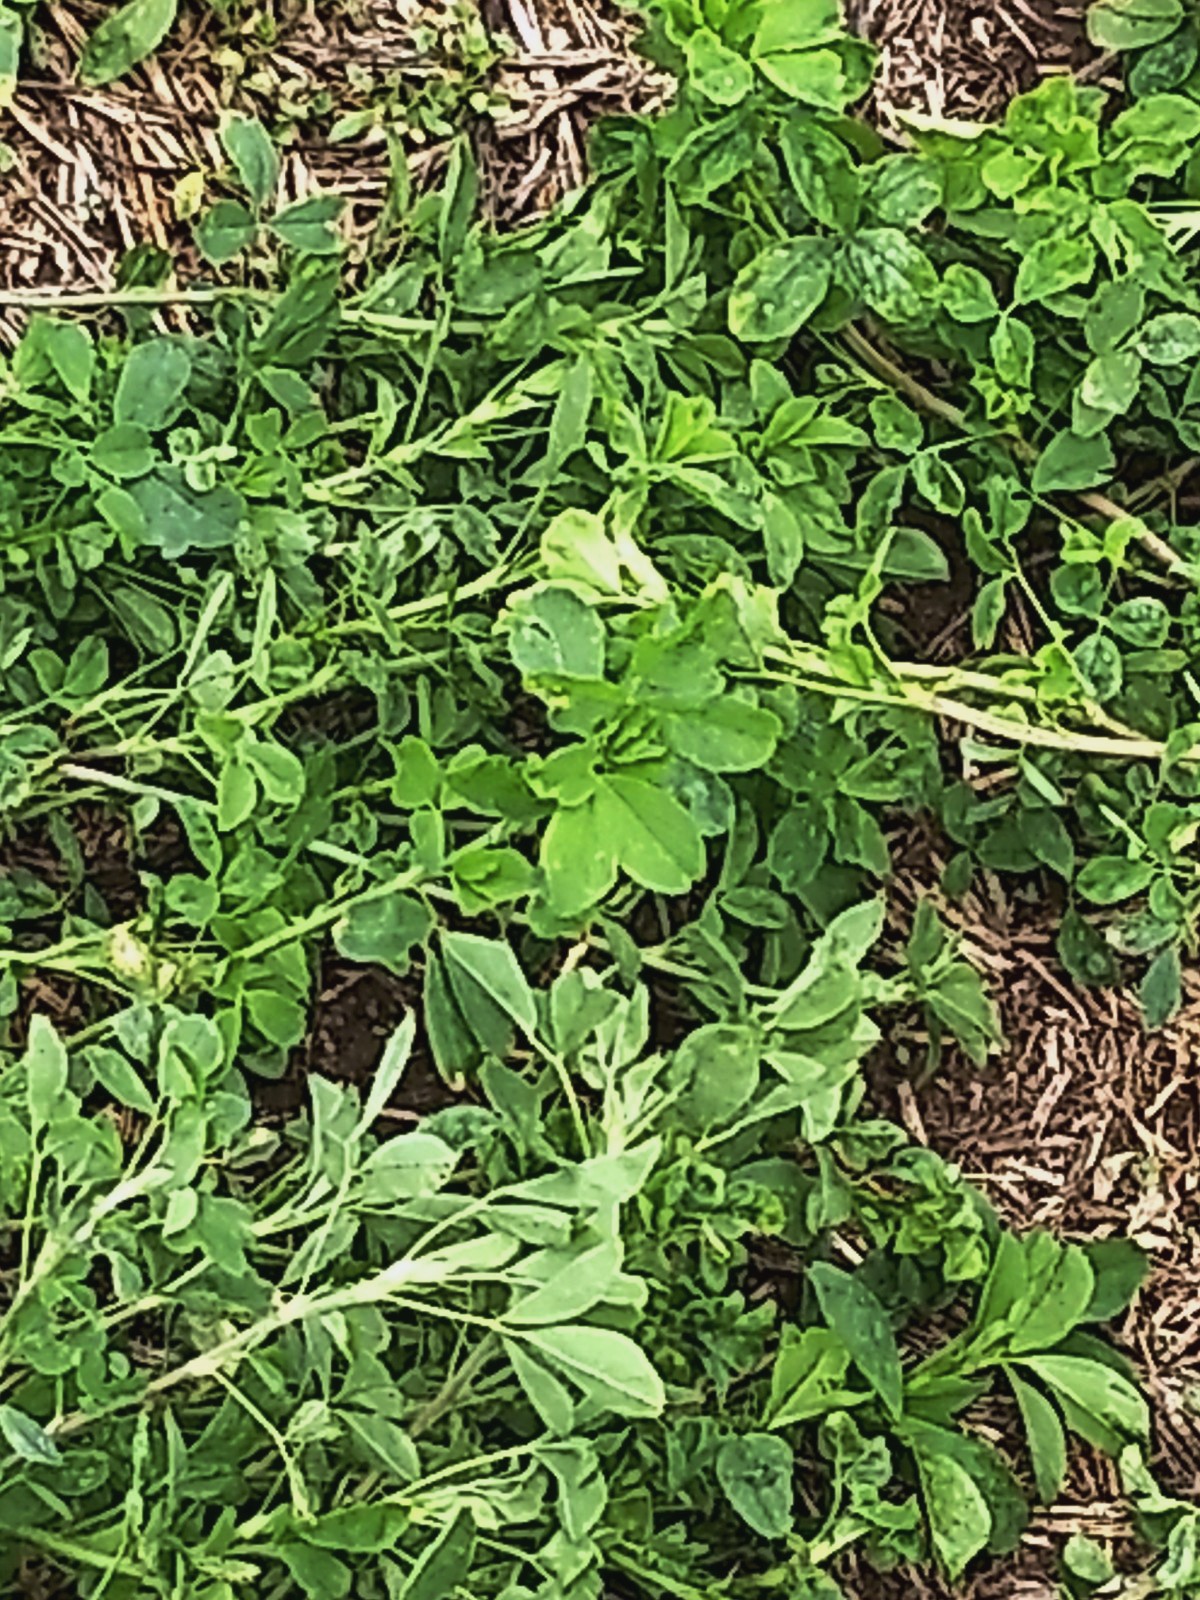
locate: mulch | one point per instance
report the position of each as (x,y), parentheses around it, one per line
(1086,1125)
(967,58)
(91,173)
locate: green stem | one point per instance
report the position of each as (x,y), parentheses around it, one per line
(925,399)
(459,1380)
(98,299)
(1124,747)
(71,1550)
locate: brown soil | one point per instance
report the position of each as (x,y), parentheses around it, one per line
(356,1011)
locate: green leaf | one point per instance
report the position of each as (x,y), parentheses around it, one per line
(1070,462)
(45,1068)
(1170,340)
(1119,1268)
(936,481)
(385,929)
(389,1072)
(1168,64)
(318,1573)
(809,1376)
(439,1569)
(607,1366)
(803,50)
(116,1075)
(309,225)
(716,72)
(960,1523)
(1115,311)
(755,1472)
(453,1043)
(799,25)
(897,426)
(579,862)
(125,38)
(151,385)
(407,1166)
(1143,621)
(485,877)
(988,612)
(1099,663)
(1107,880)
(579,1280)
(726,735)
(177,519)
(1161,989)
(860,1322)
(489,966)
(776,294)
(280,773)
(967,295)
(651,836)
(1012,347)
(365,1528)
(1132,24)
(1058,1301)
(224,230)
(1052,265)
(27,1438)
(12,35)
(822,173)
(237,795)
(568,430)
(1111,381)
(123,451)
(815,77)
(1045,1436)
(545,1393)
(890,272)
(1087,1561)
(959,998)
(554,632)
(1094,1390)
(71,353)
(717,1066)
(248,145)
(903,190)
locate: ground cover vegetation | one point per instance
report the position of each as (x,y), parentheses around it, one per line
(510,612)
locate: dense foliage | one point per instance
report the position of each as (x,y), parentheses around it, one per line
(505,611)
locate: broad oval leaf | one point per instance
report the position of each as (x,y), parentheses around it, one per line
(409,1165)
(248,145)
(1095,1390)
(960,1523)
(854,1313)
(651,835)
(755,1471)
(27,1438)
(490,966)
(610,1369)
(776,294)
(125,38)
